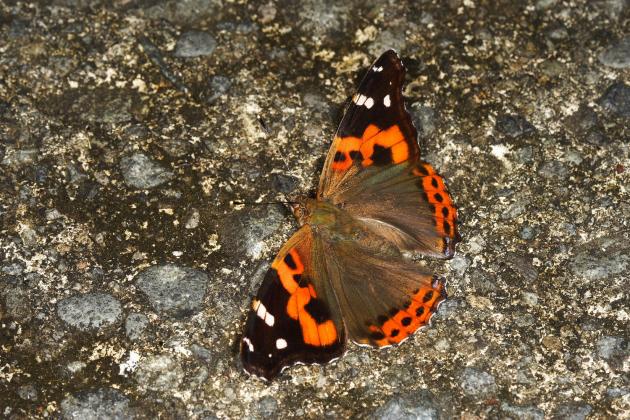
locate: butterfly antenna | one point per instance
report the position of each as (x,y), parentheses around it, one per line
(253,203)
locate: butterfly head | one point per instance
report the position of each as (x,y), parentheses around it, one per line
(302,211)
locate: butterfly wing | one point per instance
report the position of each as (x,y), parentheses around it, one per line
(375,130)
(384,298)
(373,169)
(295,317)
(408,204)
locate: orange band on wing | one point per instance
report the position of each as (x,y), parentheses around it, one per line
(372,140)
(392,138)
(289,269)
(346,149)
(438,196)
(401,323)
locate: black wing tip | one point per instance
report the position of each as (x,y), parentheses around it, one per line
(253,366)
(390,52)
(390,55)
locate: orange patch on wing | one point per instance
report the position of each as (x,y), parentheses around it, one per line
(313,333)
(343,154)
(400,152)
(327,333)
(287,273)
(393,329)
(390,138)
(369,132)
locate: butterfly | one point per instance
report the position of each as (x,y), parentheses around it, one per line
(342,275)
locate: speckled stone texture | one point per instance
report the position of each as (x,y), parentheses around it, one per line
(128,130)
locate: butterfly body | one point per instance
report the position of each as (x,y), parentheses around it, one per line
(342,275)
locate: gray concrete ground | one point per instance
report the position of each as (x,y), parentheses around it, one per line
(128,128)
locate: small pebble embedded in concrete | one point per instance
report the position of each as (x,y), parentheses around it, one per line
(195,44)
(139,171)
(90,311)
(173,290)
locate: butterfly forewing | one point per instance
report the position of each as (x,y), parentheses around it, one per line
(294,318)
(373,169)
(376,129)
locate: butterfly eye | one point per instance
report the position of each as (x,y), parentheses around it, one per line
(299,211)
(296,209)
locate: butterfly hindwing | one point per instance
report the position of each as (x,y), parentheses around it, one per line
(383,297)
(376,129)
(294,318)
(407,204)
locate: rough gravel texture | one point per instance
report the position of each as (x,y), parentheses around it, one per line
(128,130)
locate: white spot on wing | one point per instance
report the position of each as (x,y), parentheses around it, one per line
(269,319)
(281,343)
(361,100)
(387,101)
(377,69)
(247,341)
(369,103)
(261,311)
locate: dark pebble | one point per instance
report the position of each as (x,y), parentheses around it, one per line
(90,311)
(615,350)
(267,406)
(572,411)
(139,171)
(593,264)
(527,233)
(513,126)
(219,85)
(424,118)
(173,290)
(135,324)
(420,404)
(284,183)
(475,382)
(522,412)
(553,170)
(618,55)
(102,403)
(195,44)
(582,120)
(616,99)
(28,392)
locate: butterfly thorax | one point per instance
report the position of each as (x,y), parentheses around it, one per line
(335,224)
(316,213)
(321,214)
